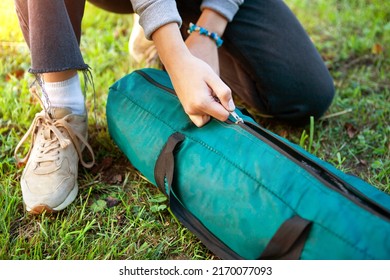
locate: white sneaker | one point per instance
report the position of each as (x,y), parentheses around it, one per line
(49,180)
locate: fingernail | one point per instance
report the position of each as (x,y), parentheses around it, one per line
(231,105)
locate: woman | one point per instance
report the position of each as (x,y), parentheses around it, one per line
(265,57)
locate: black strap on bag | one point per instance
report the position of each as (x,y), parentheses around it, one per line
(287,243)
(165,163)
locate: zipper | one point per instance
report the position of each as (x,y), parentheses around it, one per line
(316,170)
(154,82)
(320,173)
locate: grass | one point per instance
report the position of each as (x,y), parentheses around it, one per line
(118,214)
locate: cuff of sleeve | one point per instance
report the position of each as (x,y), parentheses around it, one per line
(226,8)
(158,14)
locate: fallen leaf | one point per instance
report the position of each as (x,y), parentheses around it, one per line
(18,74)
(363,162)
(111,202)
(106,163)
(351,130)
(115,179)
(377,49)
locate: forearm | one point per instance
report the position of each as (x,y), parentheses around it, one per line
(170,46)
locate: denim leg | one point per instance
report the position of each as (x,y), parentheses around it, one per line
(271,47)
(52,30)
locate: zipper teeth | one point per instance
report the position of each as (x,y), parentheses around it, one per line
(320,173)
(154,82)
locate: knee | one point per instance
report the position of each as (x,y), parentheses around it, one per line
(319,100)
(312,101)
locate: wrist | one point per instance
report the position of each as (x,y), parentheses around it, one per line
(212,21)
(193,28)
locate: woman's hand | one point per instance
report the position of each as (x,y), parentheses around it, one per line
(194,71)
(199,88)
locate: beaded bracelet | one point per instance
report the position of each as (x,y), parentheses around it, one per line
(204,31)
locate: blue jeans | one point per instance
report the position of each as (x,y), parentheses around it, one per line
(267,57)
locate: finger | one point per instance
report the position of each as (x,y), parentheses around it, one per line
(223,93)
(215,109)
(201,109)
(199,120)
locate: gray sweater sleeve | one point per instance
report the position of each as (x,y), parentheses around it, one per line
(227,8)
(156,13)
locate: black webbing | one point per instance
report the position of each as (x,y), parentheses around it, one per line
(165,163)
(288,241)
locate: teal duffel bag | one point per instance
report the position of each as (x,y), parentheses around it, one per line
(245,192)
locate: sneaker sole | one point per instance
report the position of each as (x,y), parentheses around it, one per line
(40,208)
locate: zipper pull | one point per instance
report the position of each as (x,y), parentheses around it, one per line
(232,113)
(236,117)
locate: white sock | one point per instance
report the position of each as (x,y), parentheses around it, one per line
(67,94)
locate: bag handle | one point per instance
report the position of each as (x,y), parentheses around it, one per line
(165,164)
(287,243)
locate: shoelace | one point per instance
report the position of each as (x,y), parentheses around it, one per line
(53,139)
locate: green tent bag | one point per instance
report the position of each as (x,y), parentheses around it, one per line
(245,192)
